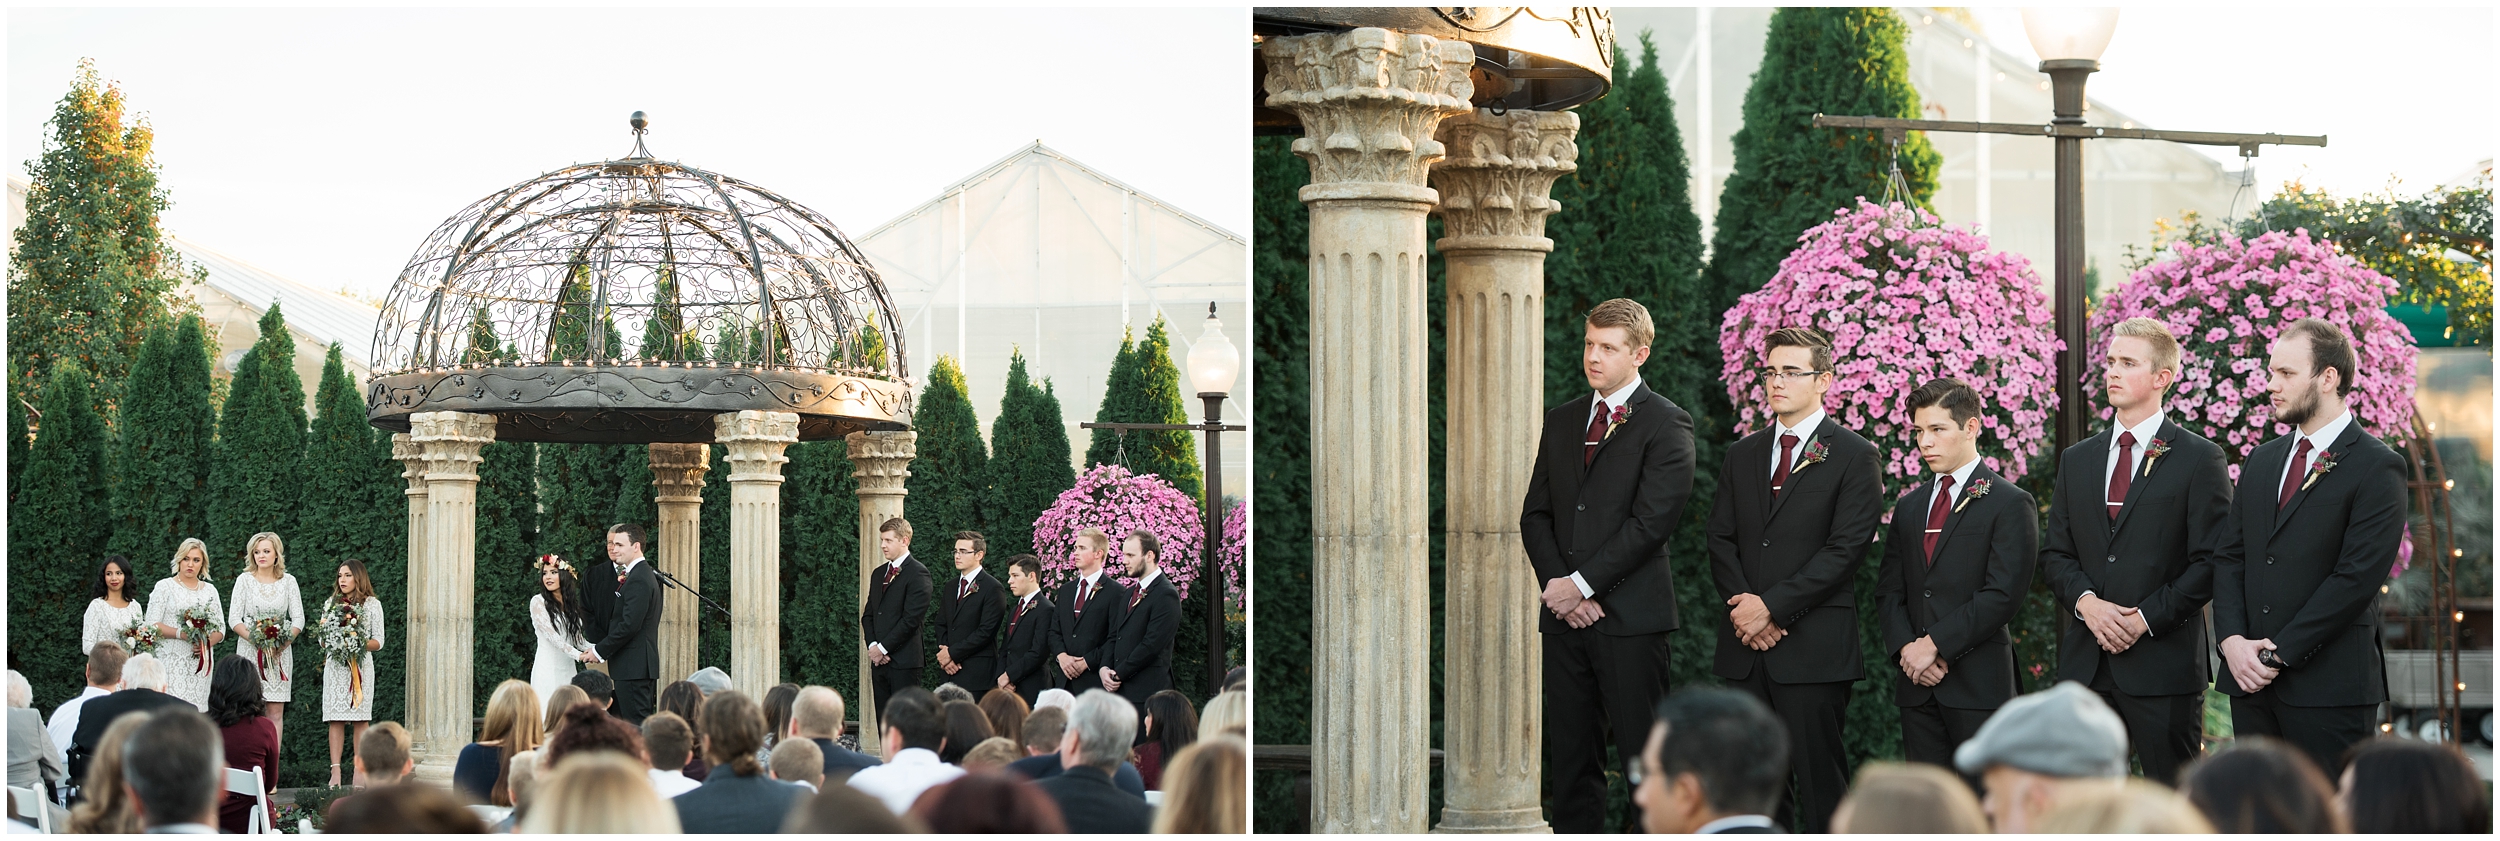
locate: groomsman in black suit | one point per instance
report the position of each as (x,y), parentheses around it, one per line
(1797,505)
(897,607)
(1957,561)
(631,644)
(1613,471)
(968,618)
(1141,646)
(1090,608)
(1025,661)
(2132,508)
(2297,569)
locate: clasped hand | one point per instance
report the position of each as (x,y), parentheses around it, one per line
(2239,654)
(946,660)
(1920,663)
(1753,622)
(1562,598)
(2116,628)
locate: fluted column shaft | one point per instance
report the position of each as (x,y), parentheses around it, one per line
(1495,189)
(442,599)
(881,462)
(677,476)
(756,442)
(411,460)
(1369,100)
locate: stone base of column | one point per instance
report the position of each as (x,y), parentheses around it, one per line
(1509,821)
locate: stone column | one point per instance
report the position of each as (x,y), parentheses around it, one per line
(882,460)
(677,472)
(755,441)
(411,459)
(1494,200)
(1369,100)
(442,593)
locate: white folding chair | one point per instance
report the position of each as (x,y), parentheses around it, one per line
(31,806)
(1154,797)
(239,781)
(303,826)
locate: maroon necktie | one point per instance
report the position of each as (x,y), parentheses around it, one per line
(1779,478)
(1596,436)
(890,569)
(1019,617)
(2291,479)
(1935,515)
(2120,476)
(1083,588)
(964,591)
(1138,596)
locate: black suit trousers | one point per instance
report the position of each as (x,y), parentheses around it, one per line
(1931,731)
(890,679)
(636,699)
(2321,732)
(1595,683)
(979,675)
(2165,731)
(1817,759)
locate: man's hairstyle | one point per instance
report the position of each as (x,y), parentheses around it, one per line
(898,526)
(143,671)
(409,807)
(2263,785)
(1031,564)
(1627,314)
(818,711)
(799,759)
(1804,337)
(175,763)
(2156,334)
(733,730)
(951,692)
(1094,537)
(633,533)
(979,543)
(105,661)
(384,750)
(1147,543)
(993,752)
(669,741)
(1950,394)
(2329,347)
(989,804)
(598,686)
(1733,743)
(1106,725)
(1043,728)
(917,715)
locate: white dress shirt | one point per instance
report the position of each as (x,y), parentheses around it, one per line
(63,725)
(900,780)
(1609,402)
(1804,430)
(672,782)
(1961,482)
(897,565)
(2318,444)
(1735,821)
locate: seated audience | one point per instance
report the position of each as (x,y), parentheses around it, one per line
(104,674)
(1908,798)
(551,714)
(1099,732)
(948,693)
(1042,732)
(966,726)
(250,738)
(174,765)
(34,761)
(710,680)
(382,758)
(799,761)
(596,686)
(843,810)
(402,808)
(108,809)
(589,727)
(599,792)
(1226,711)
(915,730)
(738,796)
(991,756)
(816,715)
(777,703)
(512,726)
(1237,679)
(1006,710)
(1170,726)
(1716,762)
(2039,745)
(1206,788)
(1054,697)
(686,700)
(2264,786)
(2393,785)
(143,689)
(667,739)
(2130,807)
(988,804)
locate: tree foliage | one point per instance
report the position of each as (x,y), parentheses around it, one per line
(948,490)
(161,462)
(257,478)
(1280,372)
(1031,463)
(59,520)
(1145,387)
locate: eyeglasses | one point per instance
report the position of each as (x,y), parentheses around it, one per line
(1775,376)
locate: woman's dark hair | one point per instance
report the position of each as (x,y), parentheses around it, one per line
(2265,786)
(987,803)
(234,690)
(686,700)
(1007,712)
(733,729)
(410,807)
(2405,786)
(589,727)
(777,703)
(97,590)
(966,726)
(363,588)
(567,610)
(1175,722)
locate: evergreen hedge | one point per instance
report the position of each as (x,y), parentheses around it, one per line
(257,476)
(1280,372)
(160,493)
(1030,463)
(61,515)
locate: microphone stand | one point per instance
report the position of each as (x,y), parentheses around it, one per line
(672,581)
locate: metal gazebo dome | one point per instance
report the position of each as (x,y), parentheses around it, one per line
(629,301)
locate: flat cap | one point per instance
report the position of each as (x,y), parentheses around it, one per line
(2062,731)
(710,679)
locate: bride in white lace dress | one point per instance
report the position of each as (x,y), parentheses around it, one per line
(556,617)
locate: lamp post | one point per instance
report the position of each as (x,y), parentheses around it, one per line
(2070,42)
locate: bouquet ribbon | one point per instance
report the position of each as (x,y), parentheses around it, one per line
(355,686)
(203,652)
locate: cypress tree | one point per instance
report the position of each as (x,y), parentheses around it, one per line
(819,567)
(1145,387)
(62,516)
(258,472)
(1120,390)
(712,636)
(19,433)
(1031,467)
(949,488)
(385,492)
(1280,368)
(336,457)
(870,350)
(162,457)
(507,520)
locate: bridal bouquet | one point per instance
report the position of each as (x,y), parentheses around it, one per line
(140,636)
(196,623)
(269,639)
(343,639)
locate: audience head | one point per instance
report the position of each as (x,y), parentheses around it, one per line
(108,808)
(817,713)
(842,810)
(1100,730)
(2403,786)
(513,725)
(733,730)
(1895,798)
(1205,788)
(799,761)
(966,726)
(1713,753)
(667,741)
(143,671)
(2262,785)
(989,803)
(2064,732)
(1237,679)
(558,702)
(2125,806)
(992,754)
(234,691)
(383,754)
(686,700)
(595,686)
(588,728)
(1006,710)
(1042,730)
(1228,710)
(1171,721)
(174,766)
(948,693)
(710,679)
(777,704)
(104,664)
(1054,697)
(21,693)
(404,808)
(599,792)
(913,719)
(521,779)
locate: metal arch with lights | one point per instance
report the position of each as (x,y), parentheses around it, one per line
(1214,363)
(2070,42)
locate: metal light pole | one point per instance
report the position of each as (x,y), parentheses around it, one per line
(2066,76)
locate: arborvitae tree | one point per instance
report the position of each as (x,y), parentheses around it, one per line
(1280,370)
(665,335)
(385,492)
(730,345)
(1119,390)
(819,567)
(258,474)
(160,493)
(507,525)
(62,516)
(19,434)
(91,271)
(949,488)
(1030,467)
(871,346)
(712,640)
(578,485)
(1145,387)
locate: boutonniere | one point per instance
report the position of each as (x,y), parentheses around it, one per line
(1815,454)
(1977,489)
(1622,413)
(2160,447)
(2324,464)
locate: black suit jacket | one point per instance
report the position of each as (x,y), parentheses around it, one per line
(1026,658)
(98,714)
(1609,521)
(968,627)
(2307,577)
(1141,647)
(1984,564)
(1086,633)
(632,642)
(598,599)
(842,762)
(1799,552)
(2147,559)
(1093,806)
(896,610)
(728,803)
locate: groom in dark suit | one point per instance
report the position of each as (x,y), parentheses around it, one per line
(1797,505)
(630,645)
(1613,471)
(896,608)
(968,615)
(2312,534)
(2132,508)
(1141,644)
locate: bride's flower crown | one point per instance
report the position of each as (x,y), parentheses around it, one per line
(546,562)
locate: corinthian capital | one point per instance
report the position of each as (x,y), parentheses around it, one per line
(1369,99)
(1499,177)
(882,460)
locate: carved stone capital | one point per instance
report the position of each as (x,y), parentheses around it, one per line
(677,471)
(882,460)
(1369,99)
(756,442)
(1499,177)
(450,442)
(411,460)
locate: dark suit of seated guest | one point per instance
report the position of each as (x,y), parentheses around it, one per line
(143,685)
(737,797)
(1099,732)
(1042,730)
(1715,764)
(816,715)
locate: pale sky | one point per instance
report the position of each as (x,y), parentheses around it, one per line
(325,144)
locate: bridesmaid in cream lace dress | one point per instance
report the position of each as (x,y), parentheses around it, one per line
(266,589)
(347,692)
(185,677)
(113,607)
